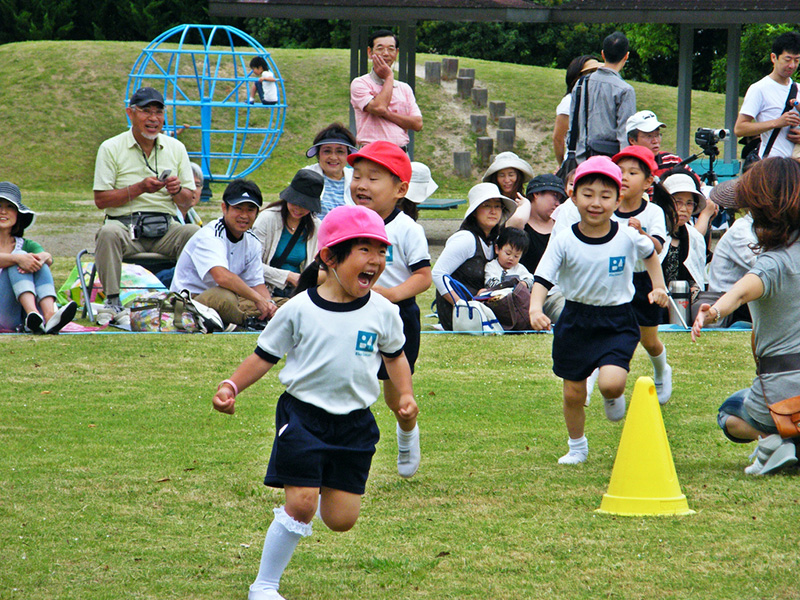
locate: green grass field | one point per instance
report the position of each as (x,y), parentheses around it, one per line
(118,480)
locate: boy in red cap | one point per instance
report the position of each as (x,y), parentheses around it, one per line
(381,175)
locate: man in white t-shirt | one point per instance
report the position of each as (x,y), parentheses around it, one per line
(764,106)
(221,264)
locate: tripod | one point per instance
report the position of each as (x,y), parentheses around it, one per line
(712,151)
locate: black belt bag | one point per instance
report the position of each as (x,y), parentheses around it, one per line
(146,225)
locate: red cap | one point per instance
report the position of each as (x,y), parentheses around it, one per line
(349,222)
(387,155)
(639,152)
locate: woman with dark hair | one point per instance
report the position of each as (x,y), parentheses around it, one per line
(509,173)
(467,251)
(287,230)
(580,66)
(332,146)
(771,190)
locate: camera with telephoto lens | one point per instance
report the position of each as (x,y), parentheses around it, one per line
(709,138)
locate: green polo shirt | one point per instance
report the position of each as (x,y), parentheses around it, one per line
(120,163)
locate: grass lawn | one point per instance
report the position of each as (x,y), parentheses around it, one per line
(118,480)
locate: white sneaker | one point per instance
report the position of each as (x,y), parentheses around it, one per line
(264,595)
(590,382)
(573,457)
(62,316)
(408,460)
(773,453)
(664,387)
(615,408)
(114,315)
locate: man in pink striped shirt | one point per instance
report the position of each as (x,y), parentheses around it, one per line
(385,109)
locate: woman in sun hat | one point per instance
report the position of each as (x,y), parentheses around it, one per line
(420,187)
(332,146)
(509,173)
(287,230)
(467,251)
(27,291)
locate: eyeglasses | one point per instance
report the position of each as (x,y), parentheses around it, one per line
(691,204)
(654,135)
(390,49)
(151,112)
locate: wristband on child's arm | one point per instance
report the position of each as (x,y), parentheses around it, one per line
(234,387)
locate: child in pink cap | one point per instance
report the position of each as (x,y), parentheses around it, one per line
(334,337)
(593,262)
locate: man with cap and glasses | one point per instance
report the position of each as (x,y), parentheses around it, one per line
(221,265)
(140,176)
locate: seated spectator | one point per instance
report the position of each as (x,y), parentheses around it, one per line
(509,173)
(511,244)
(221,264)
(534,215)
(332,146)
(420,188)
(683,256)
(771,192)
(467,251)
(287,230)
(189,215)
(27,292)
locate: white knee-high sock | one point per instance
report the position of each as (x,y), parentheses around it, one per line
(659,364)
(282,537)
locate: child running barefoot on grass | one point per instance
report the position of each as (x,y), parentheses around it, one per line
(593,263)
(381,175)
(27,292)
(334,337)
(652,219)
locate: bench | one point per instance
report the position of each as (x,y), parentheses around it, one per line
(441,203)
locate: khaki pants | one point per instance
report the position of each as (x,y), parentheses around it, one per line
(113,244)
(231,307)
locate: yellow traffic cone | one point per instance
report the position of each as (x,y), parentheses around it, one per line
(644,481)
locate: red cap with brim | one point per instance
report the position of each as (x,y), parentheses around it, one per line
(387,155)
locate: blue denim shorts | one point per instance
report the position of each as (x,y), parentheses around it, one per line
(734,407)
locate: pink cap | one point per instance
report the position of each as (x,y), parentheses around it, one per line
(387,155)
(640,153)
(600,165)
(349,222)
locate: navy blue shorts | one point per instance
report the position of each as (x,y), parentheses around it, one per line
(409,313)
(586,337)
(647,315)
(314,448)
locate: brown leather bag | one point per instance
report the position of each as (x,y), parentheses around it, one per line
(786,415)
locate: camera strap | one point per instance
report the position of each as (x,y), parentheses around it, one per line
(787,107)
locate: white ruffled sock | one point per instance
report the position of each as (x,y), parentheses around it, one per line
(578,451)
(282,537)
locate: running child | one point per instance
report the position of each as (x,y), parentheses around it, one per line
(653,219)
(27,291)
(333,337)
(593,263)
(381,175)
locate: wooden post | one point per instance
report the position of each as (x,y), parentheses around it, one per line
(505,140)
(433,72)
(466,73)
(507,123)
(477,124)
(496,109)
(480,96)
(449,69)
(484,146)
(464,86)
(462,161)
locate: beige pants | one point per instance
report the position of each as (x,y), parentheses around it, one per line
(231,307)
(113,244)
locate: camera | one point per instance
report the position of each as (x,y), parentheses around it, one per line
(709,138)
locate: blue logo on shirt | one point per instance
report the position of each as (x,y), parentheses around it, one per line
(365,343)
(389,255)
(616,265)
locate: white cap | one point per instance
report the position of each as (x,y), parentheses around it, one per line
(644,120)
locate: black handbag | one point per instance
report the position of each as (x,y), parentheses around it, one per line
(570,163)
(151,226)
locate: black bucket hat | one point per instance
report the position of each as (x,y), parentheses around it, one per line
(10,192)
(546,183)
(305,190)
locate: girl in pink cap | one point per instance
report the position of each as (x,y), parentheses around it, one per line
(334,337)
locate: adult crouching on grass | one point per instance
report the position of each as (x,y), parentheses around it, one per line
(467,251)
(771,190)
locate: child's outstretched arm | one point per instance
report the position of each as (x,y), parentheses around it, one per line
(659,294)
(400,374)
(539,320)
(251,370)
